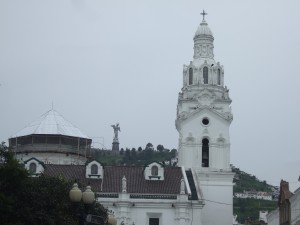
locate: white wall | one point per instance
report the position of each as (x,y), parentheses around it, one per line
(295,208)
(273,217)
(178,211)
(217,189)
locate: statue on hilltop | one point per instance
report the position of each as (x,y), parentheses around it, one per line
(116,131)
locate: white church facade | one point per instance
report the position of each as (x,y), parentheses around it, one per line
(199,191)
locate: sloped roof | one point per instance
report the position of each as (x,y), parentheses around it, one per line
(136,182)
(112,179)
(72,173)
(51,123)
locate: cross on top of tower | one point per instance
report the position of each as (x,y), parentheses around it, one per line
(203,14)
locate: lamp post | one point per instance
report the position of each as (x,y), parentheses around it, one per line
(87,197)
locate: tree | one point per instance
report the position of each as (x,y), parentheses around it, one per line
(45,200)
(140,149)
(133,154)
(173,153)
(149,146)
(13,179)
(160,148)
(127,156)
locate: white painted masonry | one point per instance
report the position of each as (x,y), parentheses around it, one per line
(203,120)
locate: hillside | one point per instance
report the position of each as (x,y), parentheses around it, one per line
(247,182)
(249,208)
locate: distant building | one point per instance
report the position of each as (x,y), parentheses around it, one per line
(288,211)
(263,216)
(254,195)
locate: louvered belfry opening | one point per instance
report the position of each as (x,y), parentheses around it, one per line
(205,152)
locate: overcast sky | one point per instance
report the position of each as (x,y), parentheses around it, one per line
(102,62)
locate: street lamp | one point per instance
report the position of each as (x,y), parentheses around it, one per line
(111,219)
(87,197)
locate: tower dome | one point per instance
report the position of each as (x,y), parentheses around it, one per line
(203,30)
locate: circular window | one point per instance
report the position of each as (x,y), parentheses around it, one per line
(205,121)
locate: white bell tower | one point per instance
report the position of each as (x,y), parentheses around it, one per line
(203,120)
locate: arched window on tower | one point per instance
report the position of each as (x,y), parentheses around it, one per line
(205,75)
(32,168)
(154,171)
(94,169)
(205,152)
(190,76)
(219,77)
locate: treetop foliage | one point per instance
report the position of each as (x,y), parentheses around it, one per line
(139,157)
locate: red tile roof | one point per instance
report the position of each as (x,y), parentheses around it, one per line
(73,172)
(136,182)
(112,179)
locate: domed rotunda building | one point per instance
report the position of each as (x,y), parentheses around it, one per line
(52,140)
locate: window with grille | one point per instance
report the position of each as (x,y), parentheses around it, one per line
(153,221)
(205,152)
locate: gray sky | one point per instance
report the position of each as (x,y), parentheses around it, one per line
(102,62)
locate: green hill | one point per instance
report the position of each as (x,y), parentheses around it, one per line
(249,208)
(247,182)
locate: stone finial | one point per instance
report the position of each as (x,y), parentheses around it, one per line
(182,187)
(124,184)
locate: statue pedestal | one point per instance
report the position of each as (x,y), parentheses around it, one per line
(115,147)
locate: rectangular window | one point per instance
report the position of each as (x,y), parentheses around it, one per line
(153,221)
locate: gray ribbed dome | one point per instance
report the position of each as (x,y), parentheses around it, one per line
(51,123)
(203,29)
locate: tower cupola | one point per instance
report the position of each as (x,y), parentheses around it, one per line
(203,41)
